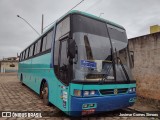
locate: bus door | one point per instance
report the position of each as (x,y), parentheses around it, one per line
(63,75)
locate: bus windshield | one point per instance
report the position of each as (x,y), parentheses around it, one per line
(96,57)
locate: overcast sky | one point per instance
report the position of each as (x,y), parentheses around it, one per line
(135,15)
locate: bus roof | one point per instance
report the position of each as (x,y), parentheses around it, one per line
(95,17)
(89,15)
(77,12)
(85,14)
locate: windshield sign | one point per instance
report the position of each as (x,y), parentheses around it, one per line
(88,64)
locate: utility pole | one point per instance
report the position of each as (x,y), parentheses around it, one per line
(42,24)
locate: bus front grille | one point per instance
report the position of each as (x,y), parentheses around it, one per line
(113,91)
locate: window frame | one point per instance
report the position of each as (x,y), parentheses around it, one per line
(66,34)
(52,39)
(61,38)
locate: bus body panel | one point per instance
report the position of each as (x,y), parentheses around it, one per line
(39,70)
(103,103)
(34,70)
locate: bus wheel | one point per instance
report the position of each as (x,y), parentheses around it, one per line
(44,93)
(21,80)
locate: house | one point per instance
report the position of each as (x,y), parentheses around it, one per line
(9,64)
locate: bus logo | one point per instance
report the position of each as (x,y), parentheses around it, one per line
(115,91)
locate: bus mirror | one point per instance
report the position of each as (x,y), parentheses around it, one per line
(132,58)
(71,48)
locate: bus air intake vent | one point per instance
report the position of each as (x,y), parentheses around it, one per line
(112,91)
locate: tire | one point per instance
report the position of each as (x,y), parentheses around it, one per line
(21,80)
(44,94)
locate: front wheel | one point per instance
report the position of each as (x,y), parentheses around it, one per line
(44,93)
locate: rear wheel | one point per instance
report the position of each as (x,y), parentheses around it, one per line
(21,80)
(44,93)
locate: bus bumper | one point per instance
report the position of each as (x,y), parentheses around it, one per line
(91,105)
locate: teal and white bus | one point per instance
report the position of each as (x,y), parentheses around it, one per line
(81,64)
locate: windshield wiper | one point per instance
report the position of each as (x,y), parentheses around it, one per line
(113,61)
(123,68)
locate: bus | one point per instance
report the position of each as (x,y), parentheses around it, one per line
(81,64)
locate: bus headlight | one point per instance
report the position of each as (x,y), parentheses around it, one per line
(92,92)
(131,90)
(134,89)
(86,93)
(77,93)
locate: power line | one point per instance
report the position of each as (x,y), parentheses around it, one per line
(92,6)
(76,5)
(67,12)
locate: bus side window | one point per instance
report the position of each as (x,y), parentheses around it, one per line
(64,62)
(49,40)
(28,52)
(56,56)
(44,43)
(26,56)
(23,55)
(20,57)
(31,51)
(39,46)
(35,49)
(62,29)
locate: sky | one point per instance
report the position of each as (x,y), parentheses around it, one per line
(136,16)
